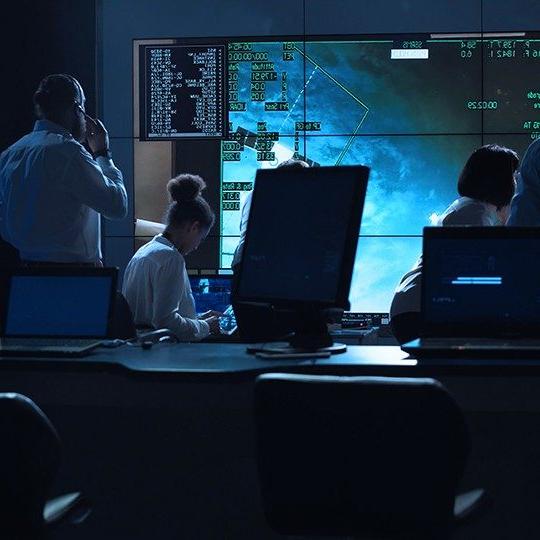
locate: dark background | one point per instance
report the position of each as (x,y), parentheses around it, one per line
(39,38)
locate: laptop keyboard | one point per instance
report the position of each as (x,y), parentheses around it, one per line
(480,342)
(46,342)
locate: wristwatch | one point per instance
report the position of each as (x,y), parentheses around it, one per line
(106,153)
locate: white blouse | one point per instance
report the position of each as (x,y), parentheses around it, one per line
(156,286)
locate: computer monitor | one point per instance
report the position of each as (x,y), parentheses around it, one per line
(301,244)
(481,281)
(211,291)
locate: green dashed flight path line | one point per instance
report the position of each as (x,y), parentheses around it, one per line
(298,98)
(347,91)
(351,140)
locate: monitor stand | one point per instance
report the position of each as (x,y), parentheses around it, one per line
(310,335)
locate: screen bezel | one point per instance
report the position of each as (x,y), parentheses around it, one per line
(341,300)
(60,271)
(481,329)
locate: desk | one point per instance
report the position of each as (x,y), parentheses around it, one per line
(210,359)
(226,360)
(163,440)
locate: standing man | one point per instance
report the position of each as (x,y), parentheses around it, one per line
(52,191)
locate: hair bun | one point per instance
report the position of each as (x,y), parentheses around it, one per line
(185,187)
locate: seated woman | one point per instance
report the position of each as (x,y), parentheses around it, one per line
(156,283)
(486,186)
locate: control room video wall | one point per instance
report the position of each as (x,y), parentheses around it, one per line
(411,107)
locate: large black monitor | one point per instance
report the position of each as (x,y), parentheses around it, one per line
(301,243)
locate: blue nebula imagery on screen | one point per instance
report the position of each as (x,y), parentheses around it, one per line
(349,103)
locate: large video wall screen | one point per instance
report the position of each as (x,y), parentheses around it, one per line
(410,107)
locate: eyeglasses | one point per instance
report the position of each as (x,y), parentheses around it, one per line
(80,107)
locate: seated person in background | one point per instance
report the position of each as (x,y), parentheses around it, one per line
(257,322)
(52,190)
(156,283)
(237,257)
(486,186)
(525,207)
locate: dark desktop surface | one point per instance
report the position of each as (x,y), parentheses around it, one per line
(182,415)
(204,360)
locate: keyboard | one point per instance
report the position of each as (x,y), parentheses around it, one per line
(47,346)
(45,342)
(481,342)
(227,322)
(353,319)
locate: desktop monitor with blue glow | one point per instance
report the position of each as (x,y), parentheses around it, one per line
(301,245)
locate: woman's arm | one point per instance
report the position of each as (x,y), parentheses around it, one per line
(169,285)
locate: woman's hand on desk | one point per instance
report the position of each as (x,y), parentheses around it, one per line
(213,323)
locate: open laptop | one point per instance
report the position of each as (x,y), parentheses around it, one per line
(213,292)
(53,311)
(480,292)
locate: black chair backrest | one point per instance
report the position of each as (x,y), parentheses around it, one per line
(358,455)
(29,461)
(9,256)
(9,259)
(122,324)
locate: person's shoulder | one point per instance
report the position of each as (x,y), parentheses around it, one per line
(23,142)
(72,147)
(160,253)
(58,146)
(531,157)
(534,148)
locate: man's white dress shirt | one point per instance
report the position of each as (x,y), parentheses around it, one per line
(52,193)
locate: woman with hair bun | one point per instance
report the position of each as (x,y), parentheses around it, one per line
(156,282)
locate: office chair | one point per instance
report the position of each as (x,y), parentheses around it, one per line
(29,461)
(365,457)
(122,324)
(9,256)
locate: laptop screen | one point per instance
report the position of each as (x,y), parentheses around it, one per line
(481,281)
(58,306)
(211,292)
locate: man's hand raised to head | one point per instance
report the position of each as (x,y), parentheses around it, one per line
(96,135)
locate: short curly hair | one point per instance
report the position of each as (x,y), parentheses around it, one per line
(55,93)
